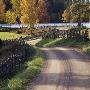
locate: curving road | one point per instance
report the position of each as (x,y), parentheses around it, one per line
(64,69)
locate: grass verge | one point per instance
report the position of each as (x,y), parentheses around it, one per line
(33,68)
(9,35)
(46,42)
(85,46)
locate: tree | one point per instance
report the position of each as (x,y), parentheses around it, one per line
(29,11)
(66,15)
(10,17)
(16,6)
(42,12)
(8,5)
(77,12)
(2,10)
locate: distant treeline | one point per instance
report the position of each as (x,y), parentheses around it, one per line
(43,11)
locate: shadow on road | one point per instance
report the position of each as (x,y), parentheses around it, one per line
(70,54)
(66,80)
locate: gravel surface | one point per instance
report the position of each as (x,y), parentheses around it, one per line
(65,69)
(33,42)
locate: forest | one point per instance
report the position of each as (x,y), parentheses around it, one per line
(44,11)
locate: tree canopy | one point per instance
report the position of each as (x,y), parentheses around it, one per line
(2,10)
(40,11)
(77,11)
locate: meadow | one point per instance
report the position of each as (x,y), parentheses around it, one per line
(10,35)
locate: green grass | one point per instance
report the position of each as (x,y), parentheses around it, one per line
(47,42)
(9,35)
(44,42)
(85,46)
(66,42)
(20,80)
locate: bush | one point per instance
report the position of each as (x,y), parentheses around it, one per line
(32,70)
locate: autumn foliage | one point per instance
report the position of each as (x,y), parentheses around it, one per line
(40,11)
(77,11)
(2,10)
(43,14)
(29,11)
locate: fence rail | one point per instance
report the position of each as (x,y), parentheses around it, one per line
(43,25)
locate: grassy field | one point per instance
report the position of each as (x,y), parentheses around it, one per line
(9,35)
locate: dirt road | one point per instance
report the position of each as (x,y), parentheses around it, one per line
(33,42)
(65,69)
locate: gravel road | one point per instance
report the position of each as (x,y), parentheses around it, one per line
(33,42)
(65,69)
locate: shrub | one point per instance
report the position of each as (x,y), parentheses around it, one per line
(32,70)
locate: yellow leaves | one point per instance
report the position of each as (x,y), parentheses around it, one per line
(66,15)
(10,17)
(24,19)
(2,10)
(15,3)
(28,11)
(16,6)
(25,9)
(2,6)
(41,3)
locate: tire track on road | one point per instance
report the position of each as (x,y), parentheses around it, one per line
(67,75)
(66,69)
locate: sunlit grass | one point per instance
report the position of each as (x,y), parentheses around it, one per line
(85,46)
(9,35)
